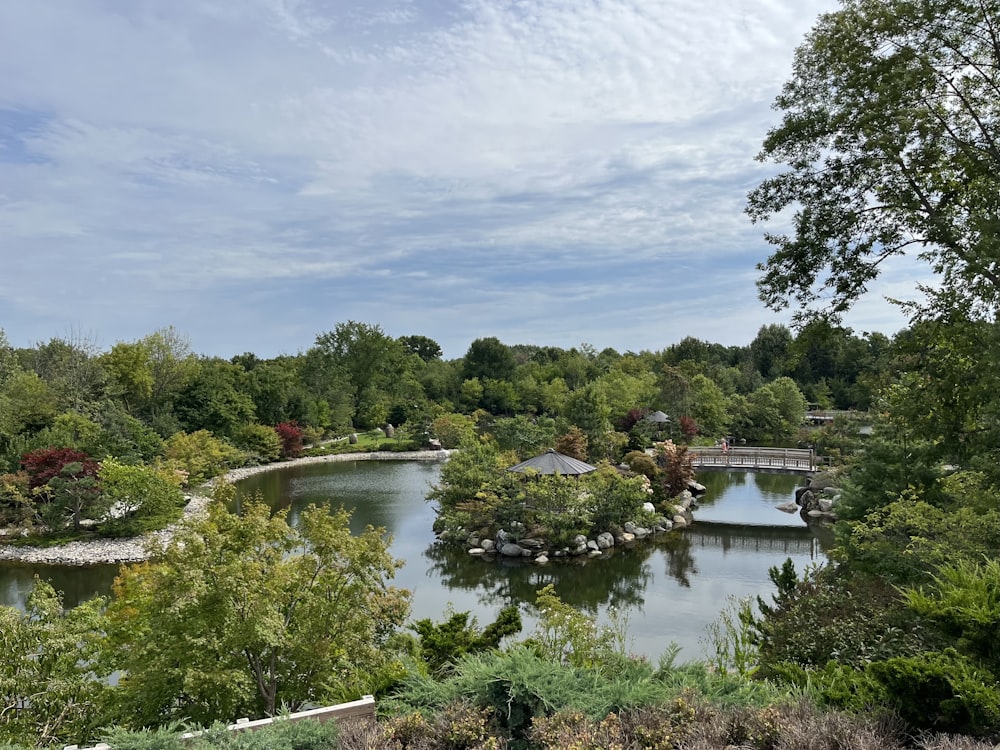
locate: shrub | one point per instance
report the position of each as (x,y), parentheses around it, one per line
(290,435)
(200,455)
(260,441)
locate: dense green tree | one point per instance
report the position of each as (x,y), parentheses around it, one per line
(200,455)
(709,407)
(241,615)
(129,368)
(523,435)
(48,660)
(367,362)
(488,358)
(31,404)
(141,498)
(215,399)
(426,348)
(442,644)
(72,371)
(769,350)
(891,144)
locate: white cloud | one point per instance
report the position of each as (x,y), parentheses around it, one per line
(489,164)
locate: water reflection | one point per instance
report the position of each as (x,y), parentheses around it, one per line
(77,584)
(670,589)
(619,579)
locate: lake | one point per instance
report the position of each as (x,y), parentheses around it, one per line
(668,590)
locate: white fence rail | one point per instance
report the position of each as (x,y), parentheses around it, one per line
(748,457)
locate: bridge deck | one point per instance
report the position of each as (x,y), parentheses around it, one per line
(750,458)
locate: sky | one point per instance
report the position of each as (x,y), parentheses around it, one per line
(550,172)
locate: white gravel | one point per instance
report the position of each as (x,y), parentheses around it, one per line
(136,549)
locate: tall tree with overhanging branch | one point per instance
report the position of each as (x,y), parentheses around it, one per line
(890,147)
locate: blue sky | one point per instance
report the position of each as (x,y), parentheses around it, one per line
(544,171)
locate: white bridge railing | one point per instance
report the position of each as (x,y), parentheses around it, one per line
(749,457)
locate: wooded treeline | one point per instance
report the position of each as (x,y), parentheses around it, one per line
(155,403)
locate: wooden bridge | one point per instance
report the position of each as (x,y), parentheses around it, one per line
(749,458)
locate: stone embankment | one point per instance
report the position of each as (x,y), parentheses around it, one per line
(136,549)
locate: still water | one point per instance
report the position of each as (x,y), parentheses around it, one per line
(668,590)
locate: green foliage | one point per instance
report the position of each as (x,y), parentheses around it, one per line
(615,498)
(200,456)
(453,430)
(888,141)
(442,644)
(48,658)
(525,436)
(733,638)
(908,539)
(258,441)
(566,635)
(488,358)
(302,734)
(71,496)
(964,602)
(943,691)
(475,486)
(141,498)
(832,615)
(555,507)
(240,615)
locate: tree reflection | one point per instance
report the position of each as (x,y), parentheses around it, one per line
(617,579)
(680,558)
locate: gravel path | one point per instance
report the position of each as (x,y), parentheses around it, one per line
(135,549)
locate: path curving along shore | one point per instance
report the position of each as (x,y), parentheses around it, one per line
(137,549)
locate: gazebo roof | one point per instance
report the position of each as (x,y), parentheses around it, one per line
(551,462)
(658,417)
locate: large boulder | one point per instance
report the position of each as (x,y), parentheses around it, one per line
(509,549)
(605,540)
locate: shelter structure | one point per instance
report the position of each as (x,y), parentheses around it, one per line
(552,462)
(657,417)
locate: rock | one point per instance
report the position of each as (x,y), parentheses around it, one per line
(472,540)
(806,500)
(627,537)
(680,522)
(503,537)
(592,546)
(649,507)
(821,480)
(696,488)
(831,491)
(789,507)
(663,525)
(531,543)
(825,504)
(595,553)
(605,540)
(630,527)
(509,549)
(541,560)
(477,551)
(489,545)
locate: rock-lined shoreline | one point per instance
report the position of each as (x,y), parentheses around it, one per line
(137,549)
